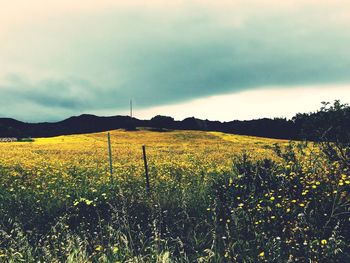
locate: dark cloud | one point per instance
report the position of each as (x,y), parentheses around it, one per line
(103,60)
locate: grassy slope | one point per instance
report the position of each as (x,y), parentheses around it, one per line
(164,149)
(206,204)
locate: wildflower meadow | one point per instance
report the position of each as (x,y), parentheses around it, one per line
(213,197)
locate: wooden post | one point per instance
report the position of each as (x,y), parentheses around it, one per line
(110,156)
(146,168)
(131,108)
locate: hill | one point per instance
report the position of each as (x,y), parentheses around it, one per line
(328,121)
(277,128)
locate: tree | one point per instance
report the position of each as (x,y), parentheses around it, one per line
(160,122)
(330,123)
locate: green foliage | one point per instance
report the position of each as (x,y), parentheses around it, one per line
(330,123)
(264,211)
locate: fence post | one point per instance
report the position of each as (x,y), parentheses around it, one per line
(110,156)
(146,168)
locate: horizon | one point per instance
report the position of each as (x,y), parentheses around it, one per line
(168,115)
(227,60)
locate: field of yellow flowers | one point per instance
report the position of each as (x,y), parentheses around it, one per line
(214,197)
(191,152)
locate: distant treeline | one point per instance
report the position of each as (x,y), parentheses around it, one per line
(331,122)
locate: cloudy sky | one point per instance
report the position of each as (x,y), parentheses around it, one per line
(237,59)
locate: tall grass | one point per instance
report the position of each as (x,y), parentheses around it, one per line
(292,210)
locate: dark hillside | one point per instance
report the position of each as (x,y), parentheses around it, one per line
(324,123)
(91,123)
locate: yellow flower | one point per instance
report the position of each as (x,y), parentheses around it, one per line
(262,254)
(323,242)
(115,250)
(241,205)
(88,202)
(226,254)
(99,248)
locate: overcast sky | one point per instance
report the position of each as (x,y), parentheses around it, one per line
(210,59)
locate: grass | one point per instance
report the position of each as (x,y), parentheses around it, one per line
(214,198)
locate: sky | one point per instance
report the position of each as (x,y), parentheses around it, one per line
(218,60)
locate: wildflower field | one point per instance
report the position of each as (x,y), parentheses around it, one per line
(213,197)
